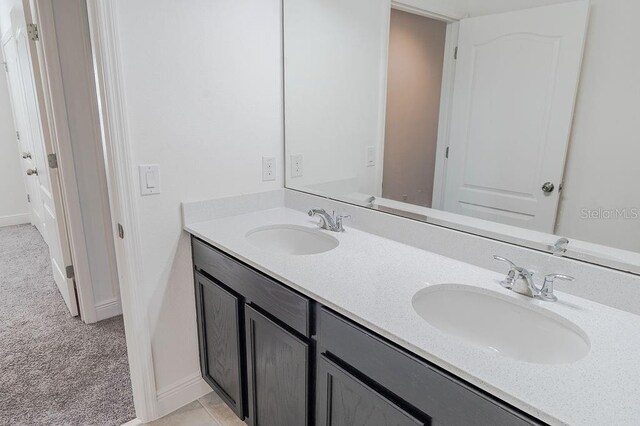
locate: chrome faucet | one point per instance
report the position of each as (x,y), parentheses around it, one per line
(521,281)
(560,247)
(331,222)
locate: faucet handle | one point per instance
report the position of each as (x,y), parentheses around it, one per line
(504,259)
(511,275)
(339,220)
(546,292)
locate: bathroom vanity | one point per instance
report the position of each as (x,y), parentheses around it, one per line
(299,325)
(486,274)
(277,357)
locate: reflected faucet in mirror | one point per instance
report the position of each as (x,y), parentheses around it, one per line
(560,247)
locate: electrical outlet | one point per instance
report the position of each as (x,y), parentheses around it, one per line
(296,166)
(268,168)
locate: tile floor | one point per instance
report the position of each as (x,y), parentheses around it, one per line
(207,411)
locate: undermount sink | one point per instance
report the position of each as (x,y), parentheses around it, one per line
(510,327)
(291,239)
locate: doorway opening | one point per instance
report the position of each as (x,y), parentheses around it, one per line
(414,83)
(63,356)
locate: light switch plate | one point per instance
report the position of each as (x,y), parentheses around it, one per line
(149,179)
(268,168)
(296,166)
(371,156)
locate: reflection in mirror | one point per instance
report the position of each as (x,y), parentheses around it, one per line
(514,120)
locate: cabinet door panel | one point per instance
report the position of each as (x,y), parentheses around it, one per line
(343,400)
(220,340)
(278,300)
(278,367)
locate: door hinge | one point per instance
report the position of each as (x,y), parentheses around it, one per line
(446,153)
(120,231)
(18,135)
(28,198)
(455,53)
(32,31)
(53,161)
(6,67)
(70,272)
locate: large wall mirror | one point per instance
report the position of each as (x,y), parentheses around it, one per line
(517,120)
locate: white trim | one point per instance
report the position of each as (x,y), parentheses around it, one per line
(444,121)
(106,51)
(418,7)
(134,422)
(382,108)
(181,393)
(55,129)
(15,219)
(108,309)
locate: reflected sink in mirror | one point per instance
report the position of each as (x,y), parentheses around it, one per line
(510,327)
(291,239)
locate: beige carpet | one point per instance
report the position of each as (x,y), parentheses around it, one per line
(54,369)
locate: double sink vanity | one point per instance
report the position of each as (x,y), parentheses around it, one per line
(300,325)
(489,272)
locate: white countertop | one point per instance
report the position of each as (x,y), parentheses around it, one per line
(372,280)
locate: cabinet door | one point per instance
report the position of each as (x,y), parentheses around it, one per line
(343,400)
(219,330)
(277,371)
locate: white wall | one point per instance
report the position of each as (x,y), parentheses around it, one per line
(602,165)
(336,60)
(5,14)
(13,194)
(203,92)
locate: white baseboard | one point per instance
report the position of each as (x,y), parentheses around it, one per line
(181,393)
(108,309)
(15,219)
(134,422)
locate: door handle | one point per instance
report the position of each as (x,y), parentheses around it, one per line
(548,187)
(32,172)
(26,155)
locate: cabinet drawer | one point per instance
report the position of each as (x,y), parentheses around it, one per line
(285,304)
(445,398)
(344,400)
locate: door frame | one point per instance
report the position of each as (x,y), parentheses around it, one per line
(451,18)
(122,197)
(51,104)
(103,44)
(446,109)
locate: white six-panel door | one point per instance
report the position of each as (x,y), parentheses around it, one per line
(516,80)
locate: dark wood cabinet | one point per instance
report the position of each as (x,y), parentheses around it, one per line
(278,358)
(277,373)
(344,400)
(254,340)
(219,323)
